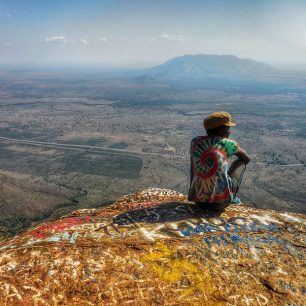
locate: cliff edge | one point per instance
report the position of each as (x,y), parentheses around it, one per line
(155,247)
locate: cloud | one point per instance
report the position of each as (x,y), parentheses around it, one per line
(82,41)
(56,39)
(167,37)
(102,39)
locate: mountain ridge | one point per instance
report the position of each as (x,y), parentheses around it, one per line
(213,66)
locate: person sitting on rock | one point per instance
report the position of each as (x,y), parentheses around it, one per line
(213,185)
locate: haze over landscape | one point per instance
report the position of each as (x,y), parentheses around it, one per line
(100,99)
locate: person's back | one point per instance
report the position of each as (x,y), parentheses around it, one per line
(210,157)
(210,184)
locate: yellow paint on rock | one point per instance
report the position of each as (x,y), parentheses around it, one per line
(168,267)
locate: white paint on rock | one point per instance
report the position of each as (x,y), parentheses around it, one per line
(290,218)
(152,234)
(254,252)
(160,192)
(11,266)
(280,270)
(266,220)
(241,221)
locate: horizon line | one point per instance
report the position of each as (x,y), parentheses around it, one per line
(295,66)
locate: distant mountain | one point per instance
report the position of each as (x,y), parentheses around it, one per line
(213,66)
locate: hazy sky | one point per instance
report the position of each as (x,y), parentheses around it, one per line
(144,33)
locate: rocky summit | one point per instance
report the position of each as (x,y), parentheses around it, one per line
(156,248)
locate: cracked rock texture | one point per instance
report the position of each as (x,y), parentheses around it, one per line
(156,248)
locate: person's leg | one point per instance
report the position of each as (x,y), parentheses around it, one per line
(236,172)
(191,191)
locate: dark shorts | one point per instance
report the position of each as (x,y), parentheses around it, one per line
(211,206)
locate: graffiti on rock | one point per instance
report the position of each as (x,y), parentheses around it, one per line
(65,236)
(57,226)
(227,227)
(170,268)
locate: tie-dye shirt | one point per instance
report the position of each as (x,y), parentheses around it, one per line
(210,156)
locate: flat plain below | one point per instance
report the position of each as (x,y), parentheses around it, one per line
(74,143)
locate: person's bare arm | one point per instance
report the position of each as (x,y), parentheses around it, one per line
(243,155)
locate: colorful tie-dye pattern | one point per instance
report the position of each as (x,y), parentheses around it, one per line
(210,156)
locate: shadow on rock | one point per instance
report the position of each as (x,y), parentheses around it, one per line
(165,212)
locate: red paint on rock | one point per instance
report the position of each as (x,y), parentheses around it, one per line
(58,226)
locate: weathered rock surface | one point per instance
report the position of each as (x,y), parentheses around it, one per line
(156,248)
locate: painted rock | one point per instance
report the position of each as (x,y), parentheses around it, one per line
(156,248)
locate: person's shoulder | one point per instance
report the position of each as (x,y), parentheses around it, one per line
(230,140)
(231,146)
(199,139)
(227,142)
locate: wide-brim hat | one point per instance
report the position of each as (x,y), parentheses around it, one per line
(218,119)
